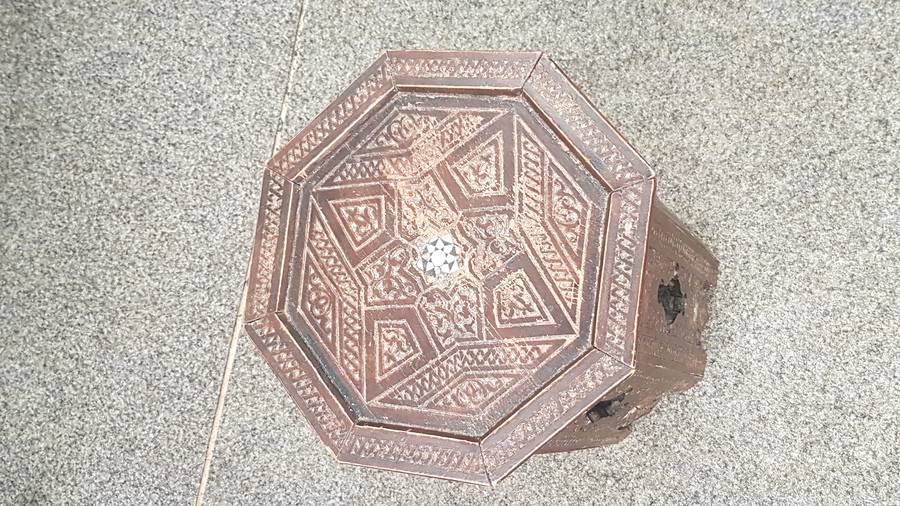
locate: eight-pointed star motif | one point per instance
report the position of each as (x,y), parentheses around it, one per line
(439,256)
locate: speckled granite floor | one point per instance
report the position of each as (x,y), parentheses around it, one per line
(133,138)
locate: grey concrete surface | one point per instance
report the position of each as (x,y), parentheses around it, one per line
(130,164)
(133,137)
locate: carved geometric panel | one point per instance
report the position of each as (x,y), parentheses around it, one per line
(539,211)
(388,278)
(451,313)
(400,130)
(360,218)
(481,171)
(518,302)
(472,392)
(491,177)
(395,345)
(426,208)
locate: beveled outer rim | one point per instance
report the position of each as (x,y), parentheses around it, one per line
(606,154)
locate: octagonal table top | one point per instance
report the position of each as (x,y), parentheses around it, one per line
(448,261)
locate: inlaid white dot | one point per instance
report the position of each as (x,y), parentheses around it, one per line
(439,256)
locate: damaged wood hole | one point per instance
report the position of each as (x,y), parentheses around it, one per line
(671,298)
(606,409)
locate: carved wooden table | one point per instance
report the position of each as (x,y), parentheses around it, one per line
(461,263)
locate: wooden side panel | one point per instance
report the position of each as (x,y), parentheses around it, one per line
(679,275)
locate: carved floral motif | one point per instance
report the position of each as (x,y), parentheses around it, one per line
(453,316)
(389,279)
